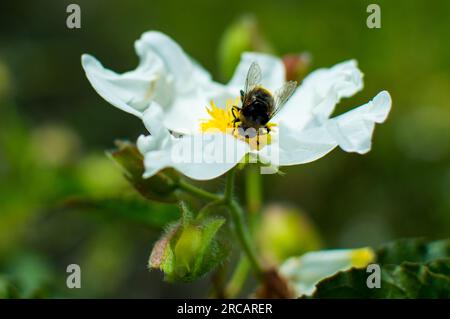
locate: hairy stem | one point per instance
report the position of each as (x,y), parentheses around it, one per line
(229,187)
(244,237)
(253,189)
(198,192)
(238,278)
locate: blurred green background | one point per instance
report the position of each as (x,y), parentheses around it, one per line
(54,130)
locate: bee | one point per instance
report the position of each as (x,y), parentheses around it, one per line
(258,105)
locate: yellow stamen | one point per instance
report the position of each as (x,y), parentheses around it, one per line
(223,120)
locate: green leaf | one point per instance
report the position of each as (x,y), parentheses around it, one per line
(131,209)
(305,272)
(160,187)
(414,250)
(31,274)
(410,268)
(189,248)
(407,280)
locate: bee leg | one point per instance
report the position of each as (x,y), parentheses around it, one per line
(257,140)
(234,109)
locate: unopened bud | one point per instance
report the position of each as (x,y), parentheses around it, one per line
(297,66)
(286,232)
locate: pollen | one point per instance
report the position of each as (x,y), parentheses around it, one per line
(222,120)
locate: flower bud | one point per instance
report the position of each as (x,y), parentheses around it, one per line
(189,249)
(286,232)
(297,66)
(55,145)
(186,249)
(98,176)
(241,36)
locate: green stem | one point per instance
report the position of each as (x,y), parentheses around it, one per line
(229,187)
(242,231)
(196,191)
(238,278)
(244,237)
(253,189)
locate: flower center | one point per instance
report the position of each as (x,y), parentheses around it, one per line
(224,121)
(220,119)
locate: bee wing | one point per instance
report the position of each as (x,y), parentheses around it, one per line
(253,77)
(282,95)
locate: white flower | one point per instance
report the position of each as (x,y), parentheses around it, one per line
(165,77)
(170,93)
(304,272)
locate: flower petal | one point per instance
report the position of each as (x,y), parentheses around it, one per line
(165,75)
(352,131)
(200,156)
(153,121)
(130,91)
(272,69)
(185,114)
(176,62)
(320,92)
(293,147)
